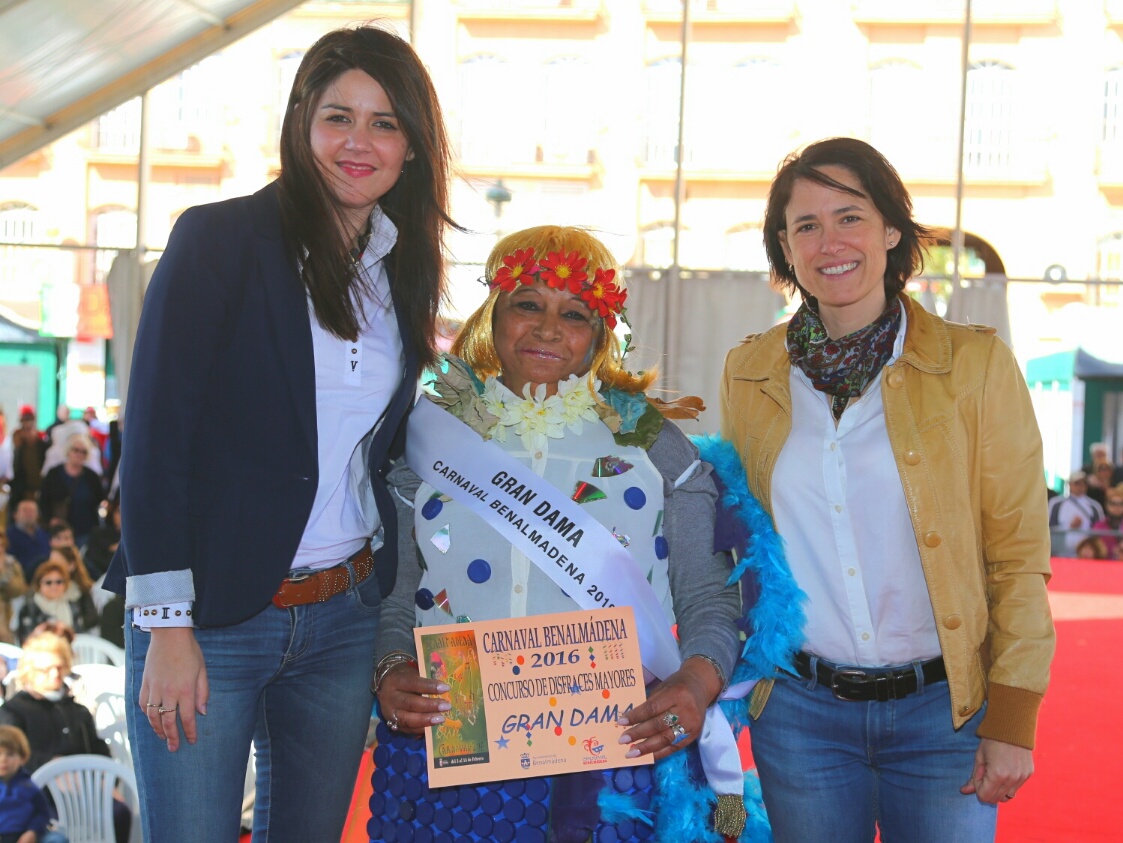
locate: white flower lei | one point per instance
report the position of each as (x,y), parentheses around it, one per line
(534,418)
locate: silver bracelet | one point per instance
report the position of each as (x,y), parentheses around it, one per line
(716,667)
(388,663)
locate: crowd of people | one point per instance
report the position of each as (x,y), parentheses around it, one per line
(855,570)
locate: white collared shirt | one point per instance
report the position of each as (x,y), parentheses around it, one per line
(354,384)
(839,505)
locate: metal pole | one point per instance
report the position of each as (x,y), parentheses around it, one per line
(671,295)
(144,175)
(957,235)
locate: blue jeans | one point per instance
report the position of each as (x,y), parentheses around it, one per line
(831,769)
(294,681)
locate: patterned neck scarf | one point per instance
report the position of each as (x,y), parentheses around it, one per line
(841,368)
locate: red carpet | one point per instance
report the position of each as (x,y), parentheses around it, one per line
(1074,795)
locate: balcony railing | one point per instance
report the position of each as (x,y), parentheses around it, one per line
(722,10)
(953,11)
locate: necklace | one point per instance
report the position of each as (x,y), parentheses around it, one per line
(536,417)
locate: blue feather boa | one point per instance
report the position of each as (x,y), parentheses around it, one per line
(682,808)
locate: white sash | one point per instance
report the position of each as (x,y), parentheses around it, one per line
(565,542)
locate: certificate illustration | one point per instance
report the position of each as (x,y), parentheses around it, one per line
(532,696)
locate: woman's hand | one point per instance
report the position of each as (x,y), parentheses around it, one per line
(1000,770)
(175,681)
(673,715)
(409,703)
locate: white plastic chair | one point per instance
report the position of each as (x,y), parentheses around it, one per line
(90,681)
(116,734)
(81,786)
(93,649)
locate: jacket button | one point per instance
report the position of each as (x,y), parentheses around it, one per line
(932,539)
(912,457)
(896,379)
(952,622)
(966,711)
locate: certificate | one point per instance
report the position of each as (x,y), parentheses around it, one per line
(532,696)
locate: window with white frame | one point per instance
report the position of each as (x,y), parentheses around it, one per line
(1109,257)
(185,107)
(989,124)
(725,105)
(498,120)
(661,112)
(567,134)
(1113,106)
(114,228)
(19,223)
(894,83)
(118,130)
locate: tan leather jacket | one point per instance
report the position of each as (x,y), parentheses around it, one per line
(968,451)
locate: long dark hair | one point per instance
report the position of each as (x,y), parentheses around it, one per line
(882,186)
(311,219)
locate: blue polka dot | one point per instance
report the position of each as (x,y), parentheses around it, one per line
(443,838)
(432,509)
(536,814)
(425,813)
(526,834)
(398,765)
(481,825)
(661,549)
(537,790)
(622,781)
(443,819)
(515,788)
(408,810)
(423,599)
(492,803)
(641,776)
(391,809)
(634,497)
(607,835)
(449,797)
(397,786)
(413,789)
(374,828)
(514,810)
(479,571)
(377,803)
(516,670)
(503,832)
(422,835)
(469,798)
(414,765)
(462,823)
(626,829)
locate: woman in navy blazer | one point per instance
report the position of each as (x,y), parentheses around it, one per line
(276,359)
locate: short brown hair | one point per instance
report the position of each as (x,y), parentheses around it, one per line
(14,740)
(880,184)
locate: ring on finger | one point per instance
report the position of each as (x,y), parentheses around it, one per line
(680,733)
(393,721)
(154,705)
(670,718)
(1011,795)
(163,710)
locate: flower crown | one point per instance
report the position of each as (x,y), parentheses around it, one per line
(564,272)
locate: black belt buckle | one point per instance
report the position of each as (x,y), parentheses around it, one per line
(851,695)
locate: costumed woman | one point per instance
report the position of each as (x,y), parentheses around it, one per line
(900,457)
(277,355)
(538,374)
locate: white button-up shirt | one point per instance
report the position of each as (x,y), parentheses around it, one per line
(839,505)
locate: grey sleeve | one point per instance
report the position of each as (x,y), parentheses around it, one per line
(705,608)
(395,625)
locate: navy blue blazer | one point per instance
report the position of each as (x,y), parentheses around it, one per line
(219,457)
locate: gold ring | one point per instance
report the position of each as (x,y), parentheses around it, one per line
(163,710)
(153,705)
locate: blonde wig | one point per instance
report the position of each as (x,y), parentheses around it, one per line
(475,343)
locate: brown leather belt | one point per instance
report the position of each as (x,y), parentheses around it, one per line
(324,585)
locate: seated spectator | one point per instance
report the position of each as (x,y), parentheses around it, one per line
(1113,518)
(103,541)
(1091,547)
(1099,453)
(27,541)
(80,592)
(72,491)
(1075,512)
(1100,481)
(48,601)
(54,722)
(24,813)
(12,584)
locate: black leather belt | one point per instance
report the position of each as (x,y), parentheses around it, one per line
(857,685)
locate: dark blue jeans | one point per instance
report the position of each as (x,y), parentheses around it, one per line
(830,769)
(294,681)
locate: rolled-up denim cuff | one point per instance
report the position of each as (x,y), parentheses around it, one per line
(163,587)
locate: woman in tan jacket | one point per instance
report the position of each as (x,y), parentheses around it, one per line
(899,456)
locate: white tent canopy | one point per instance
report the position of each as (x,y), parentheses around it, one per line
(68,61)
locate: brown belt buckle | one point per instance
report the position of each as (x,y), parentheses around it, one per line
(278,601)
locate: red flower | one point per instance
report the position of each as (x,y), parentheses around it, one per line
(519,267)
(603,297)
(564,271)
